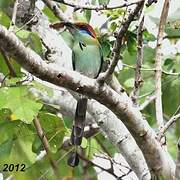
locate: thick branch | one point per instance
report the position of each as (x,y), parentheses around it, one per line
(158,73)
(157,159)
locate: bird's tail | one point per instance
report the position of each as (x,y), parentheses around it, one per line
(78,130)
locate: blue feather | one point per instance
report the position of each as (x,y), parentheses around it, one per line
(83,31)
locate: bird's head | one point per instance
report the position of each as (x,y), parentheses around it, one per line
(76,28)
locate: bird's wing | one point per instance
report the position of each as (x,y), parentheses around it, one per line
(102,59)
(73,60)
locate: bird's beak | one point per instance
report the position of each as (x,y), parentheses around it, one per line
(60,25)
(70,26)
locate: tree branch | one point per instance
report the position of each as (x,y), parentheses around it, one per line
(139,59)
(148,100)
(118,43)
(152,69)
(156,158)
(98,8)
(168,124)
(158,72)
(55,9)
(13,21)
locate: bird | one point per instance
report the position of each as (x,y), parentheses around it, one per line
(87,59)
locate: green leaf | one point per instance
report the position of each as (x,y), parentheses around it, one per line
(5,148)
(106,48)
(5,70)
(54,129)
(103,2)
(87,14)
(5,114)
(37,145)
(23,34)
(92,148)
(4,19)
(131,44)
(129,83)
(84,143)
(50,15)
(15,142)
(16,99)
(148,55)
(168,61)
(4,4)
(35,43)
(113,26)
(148,36)
(3,67)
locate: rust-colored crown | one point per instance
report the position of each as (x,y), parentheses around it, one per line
(87,27)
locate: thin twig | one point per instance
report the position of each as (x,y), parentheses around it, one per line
(55,9)
(158,72)
(138,79)
(27,22)
(169,123)
(13,21)
(148,100)
(7,61)
(97,8)
(46,146)
(152,69)
(118,43)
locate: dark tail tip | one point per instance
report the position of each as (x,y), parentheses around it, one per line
(73,159)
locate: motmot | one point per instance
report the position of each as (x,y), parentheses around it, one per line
(87,59)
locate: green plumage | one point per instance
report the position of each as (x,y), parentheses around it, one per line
(87,56)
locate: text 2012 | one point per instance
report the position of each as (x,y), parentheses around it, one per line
(14,167)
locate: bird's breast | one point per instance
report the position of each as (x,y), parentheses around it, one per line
(87,59)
